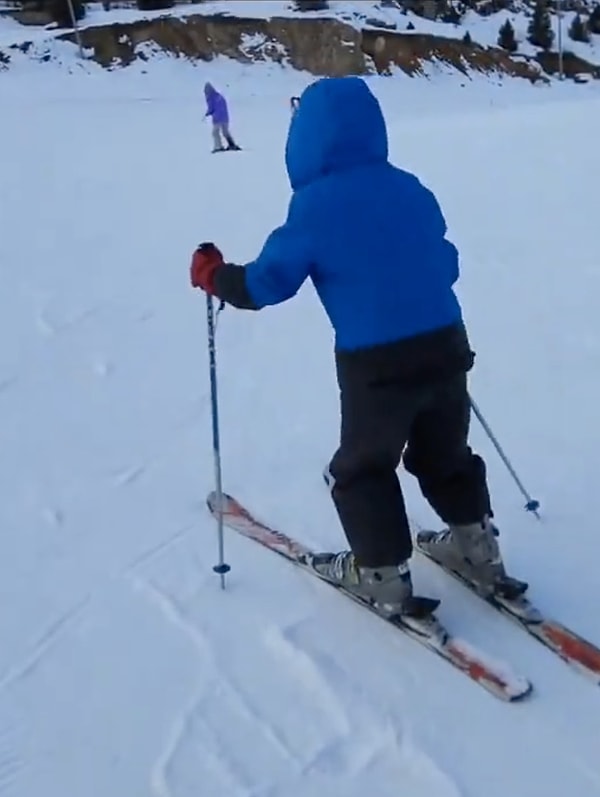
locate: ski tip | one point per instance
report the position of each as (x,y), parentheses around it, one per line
(497,677)
(517,690)
(212,500)
(526,691)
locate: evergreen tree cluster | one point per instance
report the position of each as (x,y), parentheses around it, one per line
(540,31)
(154,5)
(594,19)
(311,5)
(578,29)
(60,11)
(506,37)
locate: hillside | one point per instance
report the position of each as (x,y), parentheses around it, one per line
(359,37)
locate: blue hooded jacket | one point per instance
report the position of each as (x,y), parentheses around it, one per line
(370,236)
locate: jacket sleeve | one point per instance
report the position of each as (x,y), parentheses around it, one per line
(284,263)
(279,271)
(276,274)
(230,286)
(436,224)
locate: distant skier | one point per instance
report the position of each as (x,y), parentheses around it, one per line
(372,239)
(294,103)
(216,107)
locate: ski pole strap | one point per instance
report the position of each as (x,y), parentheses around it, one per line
(219,308)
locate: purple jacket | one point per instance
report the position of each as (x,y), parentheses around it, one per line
(216,105)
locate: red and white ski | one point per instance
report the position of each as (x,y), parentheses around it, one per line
(496,677)
(581,654)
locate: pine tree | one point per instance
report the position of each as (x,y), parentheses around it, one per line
(506,37)
(540,32)
(594,20)
(451,15)
(60,11)
(154,5)
(312,5)
(467,38)
(578,30)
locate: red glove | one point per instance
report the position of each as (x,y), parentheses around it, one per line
(205,262)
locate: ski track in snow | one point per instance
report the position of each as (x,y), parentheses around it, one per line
(50,637)
(304,733)
(11,761)
(125,669)
(50,326)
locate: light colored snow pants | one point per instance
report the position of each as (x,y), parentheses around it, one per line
(221,129)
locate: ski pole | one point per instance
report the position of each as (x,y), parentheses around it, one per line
(221,568)
(532,504)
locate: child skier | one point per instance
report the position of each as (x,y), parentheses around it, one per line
(372,239)
(216,107)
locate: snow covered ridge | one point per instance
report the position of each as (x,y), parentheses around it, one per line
(345,37)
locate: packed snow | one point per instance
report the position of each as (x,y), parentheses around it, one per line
(124,668)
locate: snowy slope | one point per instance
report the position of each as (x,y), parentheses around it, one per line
(124,669)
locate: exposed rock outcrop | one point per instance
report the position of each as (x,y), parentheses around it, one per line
(412,52)
(319,46)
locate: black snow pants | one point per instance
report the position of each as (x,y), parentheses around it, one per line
(405,401)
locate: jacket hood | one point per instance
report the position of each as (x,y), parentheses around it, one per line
(338,125)
(209,89)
